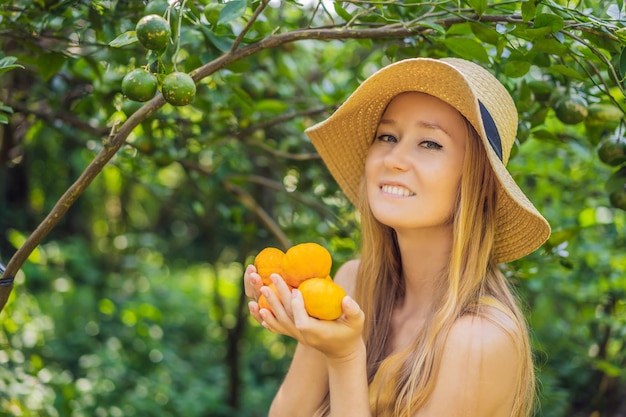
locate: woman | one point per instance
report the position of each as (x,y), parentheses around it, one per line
(430,326)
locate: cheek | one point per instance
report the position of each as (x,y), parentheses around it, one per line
(369,165)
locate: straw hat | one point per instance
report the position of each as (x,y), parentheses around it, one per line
(343,139)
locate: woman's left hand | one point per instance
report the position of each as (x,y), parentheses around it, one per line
(336,339)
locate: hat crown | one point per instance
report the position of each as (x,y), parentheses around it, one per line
(495,97)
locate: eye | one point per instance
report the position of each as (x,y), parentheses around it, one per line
(387,138)
(429,144)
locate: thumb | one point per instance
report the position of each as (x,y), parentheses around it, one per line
(351,309)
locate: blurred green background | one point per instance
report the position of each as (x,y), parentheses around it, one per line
(134,304)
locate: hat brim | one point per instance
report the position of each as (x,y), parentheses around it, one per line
(344,138)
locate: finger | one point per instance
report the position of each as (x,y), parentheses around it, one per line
(252,283)
(349,306)
(300,317)
(284,293)
(277,319)
(253,307)
(270,297)
(271,323)
(352,313)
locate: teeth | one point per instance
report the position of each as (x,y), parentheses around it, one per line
(395,190)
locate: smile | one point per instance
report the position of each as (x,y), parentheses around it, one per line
(397,190)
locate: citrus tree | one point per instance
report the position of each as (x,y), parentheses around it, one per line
(148,150)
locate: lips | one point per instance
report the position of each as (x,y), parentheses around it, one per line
(396,190)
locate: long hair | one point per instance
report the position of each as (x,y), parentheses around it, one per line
(471,276)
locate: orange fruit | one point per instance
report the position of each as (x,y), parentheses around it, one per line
(263,303)
(267,262)
(322,298)
(305,261)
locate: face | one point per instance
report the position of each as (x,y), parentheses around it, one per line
(413,167)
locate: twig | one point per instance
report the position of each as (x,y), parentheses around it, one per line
(250,203)
(253,19)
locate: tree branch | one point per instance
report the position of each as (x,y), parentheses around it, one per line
(250,203)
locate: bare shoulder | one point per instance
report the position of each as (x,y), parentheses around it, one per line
(477,334)
(479,370)
(346,275)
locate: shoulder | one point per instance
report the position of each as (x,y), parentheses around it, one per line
(346,275)
(478,336)
(478,371)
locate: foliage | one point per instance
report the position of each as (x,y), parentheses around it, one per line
(133,303)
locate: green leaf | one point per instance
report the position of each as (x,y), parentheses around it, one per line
(485,33)
(622,63)
(124,39)
(212,12)
(8,63)
(515,69)
(621,34)
(467,48)
(549,46)
(221,43)
(233,10)
(7,60)
(478,5)
(609,368)
(341,12)
(4,119)
(5,109)
(272,106)
(438,28)
(49,64)
(531,33)
(616,181)
(529,9)
(552,21)
(567,72)
(544,134)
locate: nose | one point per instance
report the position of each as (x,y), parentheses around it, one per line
(397,158)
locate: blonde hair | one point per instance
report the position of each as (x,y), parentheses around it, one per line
(471,275)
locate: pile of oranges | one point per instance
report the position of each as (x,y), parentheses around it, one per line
(305,266)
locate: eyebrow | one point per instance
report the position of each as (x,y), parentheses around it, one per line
(420,123)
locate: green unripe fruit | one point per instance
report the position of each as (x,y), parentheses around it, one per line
(571,110)
(153,32)
(156,7)
(139,85)
(618,199)
(603,114)
(612,152)
(178,89)
(212,12)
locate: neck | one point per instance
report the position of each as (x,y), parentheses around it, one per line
(425,255)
